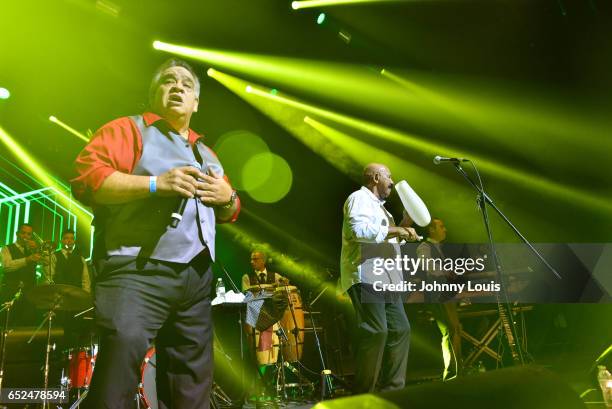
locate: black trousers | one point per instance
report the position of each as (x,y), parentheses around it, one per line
(383,340)
(141,302)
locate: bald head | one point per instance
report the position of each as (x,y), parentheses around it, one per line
(371,170)
(377,178)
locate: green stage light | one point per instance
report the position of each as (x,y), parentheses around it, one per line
(68,128)
(38,171)
(4,93)
(291,120)
(423,147)
(520,132)
(235,149)
(210,72)
(321,19)
(305,4)
(267,177)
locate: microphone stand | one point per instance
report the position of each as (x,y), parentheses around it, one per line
(484,199)
(227,275)
(327,387)
(241,321)
(6,307)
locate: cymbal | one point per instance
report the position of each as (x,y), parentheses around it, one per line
(67,297)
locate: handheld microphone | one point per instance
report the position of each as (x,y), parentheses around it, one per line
(20,291)
(440,159)
(177,216)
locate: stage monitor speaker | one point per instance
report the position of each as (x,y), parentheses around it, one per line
(513,388)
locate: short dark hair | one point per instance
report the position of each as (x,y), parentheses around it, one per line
(428,228)
(172,62)
(25,224)
(67,231)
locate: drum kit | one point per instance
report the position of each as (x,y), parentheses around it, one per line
(280,346)
(54,299)
(77,361)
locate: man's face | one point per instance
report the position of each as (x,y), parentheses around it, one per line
(438,230)
(258,261)
(24,235)
(68,241)
(175,95)
(385,183)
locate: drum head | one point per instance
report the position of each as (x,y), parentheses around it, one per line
(148,387)
(285,288)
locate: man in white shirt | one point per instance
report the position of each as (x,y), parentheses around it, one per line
(383,333)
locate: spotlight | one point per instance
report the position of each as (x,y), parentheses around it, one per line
(4,93)
(249,89)
(321,19)
(157,45)
(67,127)
(295,5)
(210,72)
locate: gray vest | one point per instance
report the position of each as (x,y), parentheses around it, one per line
(142,227)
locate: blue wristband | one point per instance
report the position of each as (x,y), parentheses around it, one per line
(152,184)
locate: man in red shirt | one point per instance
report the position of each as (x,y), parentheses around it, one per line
(153,278)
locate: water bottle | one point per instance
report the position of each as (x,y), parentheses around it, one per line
(220,289)
(605,383)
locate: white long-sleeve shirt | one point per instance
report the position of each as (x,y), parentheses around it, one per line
(9,264)
(365,221)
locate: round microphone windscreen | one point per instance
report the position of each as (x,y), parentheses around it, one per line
(413,204)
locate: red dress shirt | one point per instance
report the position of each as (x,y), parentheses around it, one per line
(115,147)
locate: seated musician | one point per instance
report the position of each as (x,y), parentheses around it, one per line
(265,342)
(445,313)
(260,274)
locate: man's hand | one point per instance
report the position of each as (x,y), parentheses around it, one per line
(214,190)
(406,220)
(33,258)
(406,233)
(181,181)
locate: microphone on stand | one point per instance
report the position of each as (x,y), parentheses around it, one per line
(441,159)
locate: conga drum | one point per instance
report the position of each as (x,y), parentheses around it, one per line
(292,323)
(266,345)
(257,288)
(266,342)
